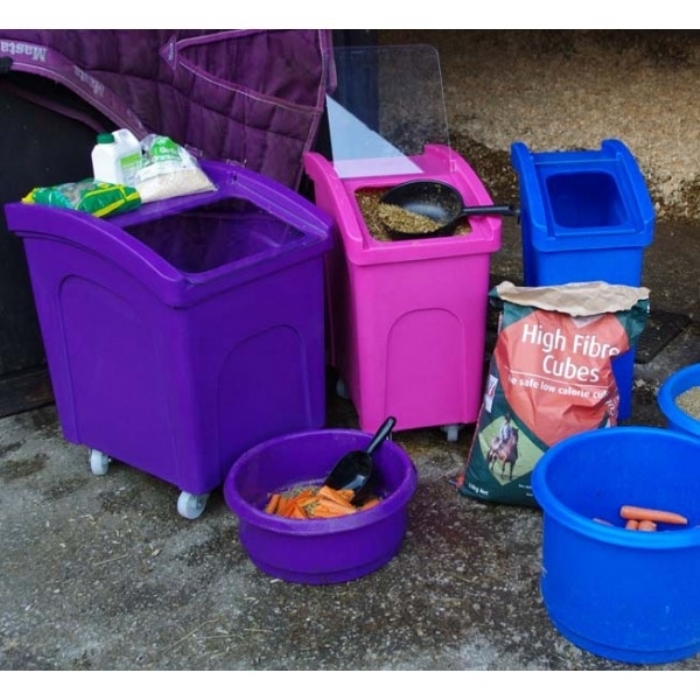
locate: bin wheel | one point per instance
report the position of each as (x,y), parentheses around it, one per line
(99,462)
(452,432)
(191,506)
(341,389)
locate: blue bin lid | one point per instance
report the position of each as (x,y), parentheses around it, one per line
(581,200)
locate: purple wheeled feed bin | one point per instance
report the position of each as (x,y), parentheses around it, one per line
(180,334)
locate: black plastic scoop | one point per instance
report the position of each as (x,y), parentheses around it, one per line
(355,469)
(431,209)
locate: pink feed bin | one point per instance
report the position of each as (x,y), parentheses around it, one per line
(408,318)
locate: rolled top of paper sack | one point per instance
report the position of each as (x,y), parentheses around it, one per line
(550,376)
(575,298)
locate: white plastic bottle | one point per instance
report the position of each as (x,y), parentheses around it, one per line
(116,158)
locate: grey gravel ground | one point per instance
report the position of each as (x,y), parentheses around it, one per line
(101,572)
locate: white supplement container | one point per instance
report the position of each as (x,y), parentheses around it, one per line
(116,158)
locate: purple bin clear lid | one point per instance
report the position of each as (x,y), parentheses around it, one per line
(389,104)
(186,247)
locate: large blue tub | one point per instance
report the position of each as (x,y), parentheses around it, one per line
(625,595)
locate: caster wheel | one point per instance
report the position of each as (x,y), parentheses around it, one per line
(341,389)
(99,463)
(191,506)
(452,432)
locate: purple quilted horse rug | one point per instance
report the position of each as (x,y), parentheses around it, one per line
(253,97)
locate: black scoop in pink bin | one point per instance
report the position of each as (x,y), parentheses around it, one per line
(355,470)
(437,206)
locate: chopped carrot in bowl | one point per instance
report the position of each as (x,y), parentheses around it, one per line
(315,502)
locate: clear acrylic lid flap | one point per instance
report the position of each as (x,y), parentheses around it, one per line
(387,106)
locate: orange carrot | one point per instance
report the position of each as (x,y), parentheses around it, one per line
(286,506)
(272,503)
(306,501)
(326,508)
(658,516)
(632,524)
(333,495)
(647,526)
(370,503)
(339,507)
(298,512)
(321,512)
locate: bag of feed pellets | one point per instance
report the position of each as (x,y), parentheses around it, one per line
(169,171)
(550,376)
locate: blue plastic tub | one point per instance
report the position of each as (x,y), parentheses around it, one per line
(624,595)
(671,389)
(586,216)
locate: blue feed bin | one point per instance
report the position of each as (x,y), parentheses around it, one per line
(621,594)
(586,216)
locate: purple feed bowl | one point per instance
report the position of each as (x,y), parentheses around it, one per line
(319,551)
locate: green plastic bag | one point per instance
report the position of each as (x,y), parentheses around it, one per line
(91,196)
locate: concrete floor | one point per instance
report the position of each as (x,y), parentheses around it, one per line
(101,572)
